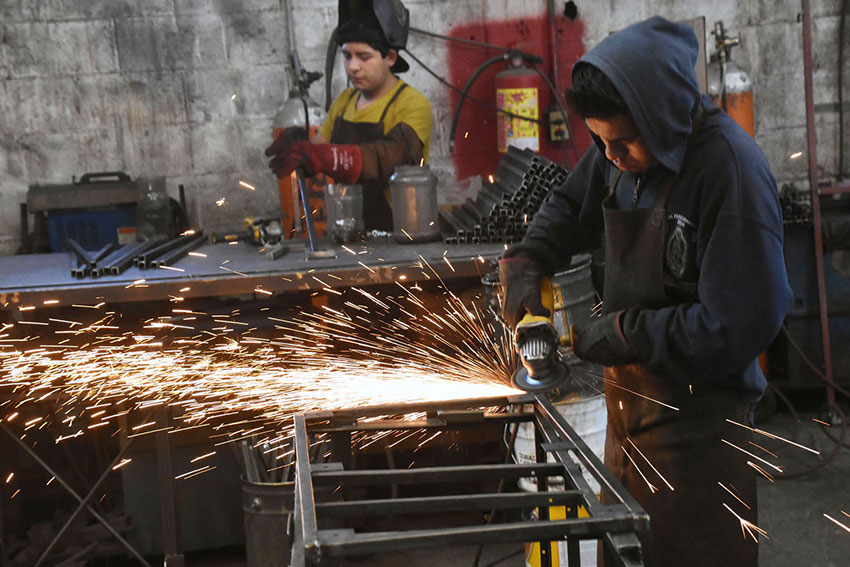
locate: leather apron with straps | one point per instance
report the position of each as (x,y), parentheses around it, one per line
(683,453)
(377,214)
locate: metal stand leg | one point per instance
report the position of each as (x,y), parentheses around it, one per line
(83,505)
(171,537)
(76,496)
(3,562)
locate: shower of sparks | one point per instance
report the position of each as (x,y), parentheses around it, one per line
(839,524)
(213,372)
(796,155)
(772,436)
(735,496)
(747,527)
(221,202)
(247,185)
(756,457)
(610,382)
(661,476)
(651,486)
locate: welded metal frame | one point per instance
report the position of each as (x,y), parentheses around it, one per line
(620,522)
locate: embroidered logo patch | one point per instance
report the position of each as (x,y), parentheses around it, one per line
(680,248)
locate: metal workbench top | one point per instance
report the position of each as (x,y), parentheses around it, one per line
(238,269)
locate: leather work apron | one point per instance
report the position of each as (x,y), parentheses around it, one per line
(690,526)
(377,214)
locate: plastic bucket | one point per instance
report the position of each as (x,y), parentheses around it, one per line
(266,507)
(588,417)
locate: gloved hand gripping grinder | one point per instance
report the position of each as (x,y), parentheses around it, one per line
(537,343)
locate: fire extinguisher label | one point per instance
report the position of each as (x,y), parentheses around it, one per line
(515,131)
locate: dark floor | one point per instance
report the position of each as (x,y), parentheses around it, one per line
(791,512)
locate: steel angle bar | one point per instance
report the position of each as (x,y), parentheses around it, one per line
(452,503)
(437,474)
(417,407)
(304,489)
(338,543)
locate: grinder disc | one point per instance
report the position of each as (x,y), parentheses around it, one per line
(554,378)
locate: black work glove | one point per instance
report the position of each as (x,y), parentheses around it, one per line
(519,279)
(279,149)
(601,340)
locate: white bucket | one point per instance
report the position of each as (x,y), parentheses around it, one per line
(588,417)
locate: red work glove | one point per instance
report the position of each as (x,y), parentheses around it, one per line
(285,139)
(340,161)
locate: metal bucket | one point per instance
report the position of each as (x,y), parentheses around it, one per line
(267,507)
(414,203)
(574,294)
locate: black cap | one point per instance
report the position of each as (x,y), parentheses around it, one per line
(382,22)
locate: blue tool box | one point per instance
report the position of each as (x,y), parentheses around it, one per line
(93,228)
(97,210)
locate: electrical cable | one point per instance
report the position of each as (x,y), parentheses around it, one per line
(460,40)
(471,98)
(840,442)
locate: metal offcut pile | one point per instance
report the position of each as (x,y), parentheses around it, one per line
(506,203)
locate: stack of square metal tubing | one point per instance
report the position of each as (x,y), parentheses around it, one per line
(155,253)
(504,207)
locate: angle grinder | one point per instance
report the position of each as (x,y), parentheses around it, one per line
(537,344)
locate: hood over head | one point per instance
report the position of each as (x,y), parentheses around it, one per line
(651,63)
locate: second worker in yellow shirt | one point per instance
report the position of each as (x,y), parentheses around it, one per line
(380,123)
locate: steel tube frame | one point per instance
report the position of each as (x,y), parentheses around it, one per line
(621,524)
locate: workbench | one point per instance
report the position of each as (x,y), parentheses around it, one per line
(240,269)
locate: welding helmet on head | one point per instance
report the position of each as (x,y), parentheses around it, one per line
(385,22)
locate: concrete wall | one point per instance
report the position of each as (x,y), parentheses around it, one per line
(188,88)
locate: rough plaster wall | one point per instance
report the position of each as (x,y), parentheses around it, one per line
(148,87)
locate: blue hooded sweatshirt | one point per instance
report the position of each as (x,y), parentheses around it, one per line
(723,262)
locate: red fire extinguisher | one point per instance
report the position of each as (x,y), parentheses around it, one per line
(522,93)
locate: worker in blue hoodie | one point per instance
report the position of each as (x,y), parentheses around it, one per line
(685,205)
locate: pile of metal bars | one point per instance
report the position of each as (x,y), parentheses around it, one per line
(111,260)
(506,203)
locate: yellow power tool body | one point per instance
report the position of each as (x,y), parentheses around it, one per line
(537,344)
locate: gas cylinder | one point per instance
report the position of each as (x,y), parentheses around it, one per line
(729,86)
(291,114)
(523,92)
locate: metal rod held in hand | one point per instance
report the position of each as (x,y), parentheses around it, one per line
(308,212)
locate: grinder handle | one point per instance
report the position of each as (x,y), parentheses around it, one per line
(547,299)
